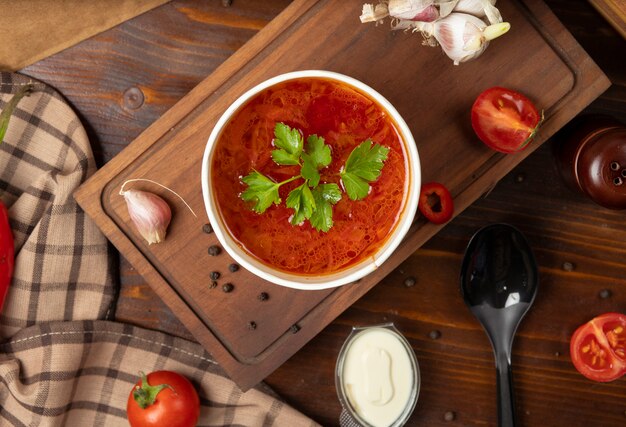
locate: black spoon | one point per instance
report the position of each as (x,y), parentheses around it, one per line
(499,283)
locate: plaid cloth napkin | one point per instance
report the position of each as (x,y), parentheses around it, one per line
(61,362)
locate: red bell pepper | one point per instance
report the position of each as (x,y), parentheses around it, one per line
(6,253)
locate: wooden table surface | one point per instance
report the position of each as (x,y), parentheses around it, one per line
(122,80)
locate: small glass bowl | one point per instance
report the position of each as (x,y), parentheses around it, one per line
(339,375)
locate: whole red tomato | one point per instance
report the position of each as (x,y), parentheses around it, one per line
(598,348)
(164,399)
(505,120)
(435,203)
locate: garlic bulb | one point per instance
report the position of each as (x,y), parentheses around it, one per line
(461,36)
(150,214)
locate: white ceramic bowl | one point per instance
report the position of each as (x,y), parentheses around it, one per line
(354,272)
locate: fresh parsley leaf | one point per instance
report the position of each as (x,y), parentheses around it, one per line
(309,170)
(325,196)
(261,190)
(289,142)
(318,150)
(363,167)
(302,202)
(316,156)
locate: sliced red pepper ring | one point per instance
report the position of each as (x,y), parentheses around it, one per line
(436,203)
(598,348)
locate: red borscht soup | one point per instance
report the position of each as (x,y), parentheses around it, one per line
(344,117)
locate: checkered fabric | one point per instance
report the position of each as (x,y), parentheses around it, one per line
(62,271)
(61,362)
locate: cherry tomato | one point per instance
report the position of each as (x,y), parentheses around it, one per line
(505,120)
(436,203)
(598,348)
(163,398)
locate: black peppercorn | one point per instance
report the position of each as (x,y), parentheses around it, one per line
(233,267)
(294,329)
(215,275)
(605,293)
(263,296)
(214,250)
(410,281)
(207,228)
(252,326)
(228,287)
(434,334)
(449,416)
(213,285)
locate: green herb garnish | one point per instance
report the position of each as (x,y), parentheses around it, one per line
(362,168)
(311,200)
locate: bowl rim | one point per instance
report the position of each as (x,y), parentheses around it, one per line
(342,277)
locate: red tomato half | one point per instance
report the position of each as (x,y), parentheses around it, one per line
(436,203)
(505,120)
(165,399)
(598,348)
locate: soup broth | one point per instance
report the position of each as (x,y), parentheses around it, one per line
(344,117)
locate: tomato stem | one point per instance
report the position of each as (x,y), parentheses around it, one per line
(145,395)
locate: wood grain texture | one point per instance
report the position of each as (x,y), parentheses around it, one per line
(613,11)
(457,368)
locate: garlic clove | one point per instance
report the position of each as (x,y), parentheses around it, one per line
(413,10)
(150,214)
(462,37)
(479,8)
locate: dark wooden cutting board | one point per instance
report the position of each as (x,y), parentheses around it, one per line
(251,337)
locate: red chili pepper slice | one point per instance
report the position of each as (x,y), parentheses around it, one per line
(6,253)
(436,203)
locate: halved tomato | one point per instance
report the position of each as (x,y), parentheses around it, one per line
(598,348)
(504,119)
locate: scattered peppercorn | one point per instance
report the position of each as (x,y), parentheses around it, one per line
(410,281)
(233,267)
(252,326)
(434,334)
(449,416)
(214,250)
(263,296)
(213,285)
(568,266)
(294,329)
(228,287)
(215,275)
(605,293)
(520,177)
(207,228)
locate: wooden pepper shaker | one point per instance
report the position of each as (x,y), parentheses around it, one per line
(591,156)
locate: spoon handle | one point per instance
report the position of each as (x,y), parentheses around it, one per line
(506,406)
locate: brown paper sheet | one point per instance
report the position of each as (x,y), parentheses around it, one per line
(31,30)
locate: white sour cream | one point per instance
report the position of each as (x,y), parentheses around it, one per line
(379,376)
